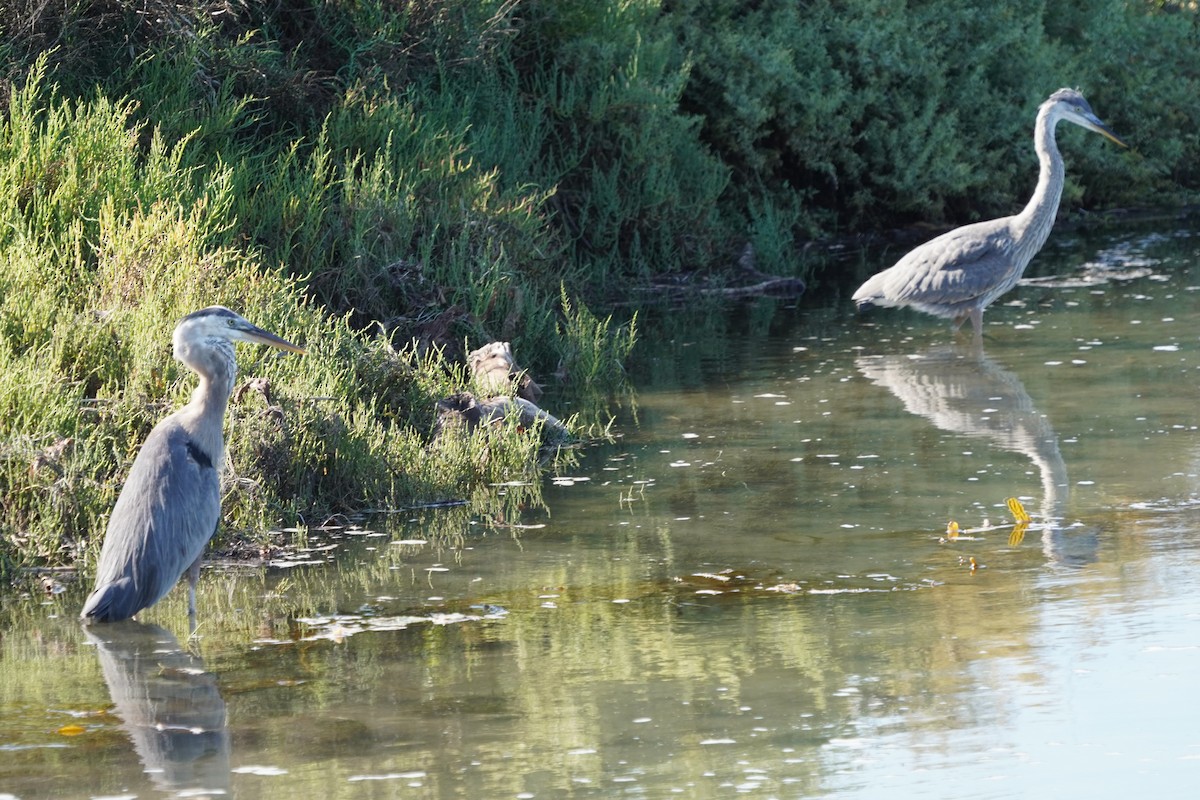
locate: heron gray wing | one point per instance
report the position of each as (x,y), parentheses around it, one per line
(957,267)
(164,517)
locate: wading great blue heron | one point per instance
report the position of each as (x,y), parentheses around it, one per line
(961,272)
(171,501)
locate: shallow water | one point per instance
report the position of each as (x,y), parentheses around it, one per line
(752,592)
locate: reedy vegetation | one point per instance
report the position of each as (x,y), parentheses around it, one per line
(453,171)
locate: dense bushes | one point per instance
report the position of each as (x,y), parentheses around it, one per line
(551,140)
(879,113)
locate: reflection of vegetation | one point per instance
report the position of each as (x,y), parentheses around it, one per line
(518,694)
(541,683)
(382,549)
(687,347)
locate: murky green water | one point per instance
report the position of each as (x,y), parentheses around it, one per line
(752,593)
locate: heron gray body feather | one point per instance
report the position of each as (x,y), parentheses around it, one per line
(171,502)
(961,272)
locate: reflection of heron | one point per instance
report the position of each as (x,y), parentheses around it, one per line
(171,708)
(961,272)
(170,504)
(963,391)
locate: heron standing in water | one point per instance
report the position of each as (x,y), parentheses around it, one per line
(170,504)
(958,274)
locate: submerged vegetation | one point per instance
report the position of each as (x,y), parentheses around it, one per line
(392,183)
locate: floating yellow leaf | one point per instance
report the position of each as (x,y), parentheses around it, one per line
(72,730)
(952,530)
(1018,511)
(1018,534)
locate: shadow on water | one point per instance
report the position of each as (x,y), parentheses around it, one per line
(962,390)
(170,707)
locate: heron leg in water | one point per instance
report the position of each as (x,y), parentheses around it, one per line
(193,575)
(977,321)
(976,317)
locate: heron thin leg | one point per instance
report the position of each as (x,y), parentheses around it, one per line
(193,575)
(977,322)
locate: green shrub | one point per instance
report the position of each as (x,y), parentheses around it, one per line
(108,242)
(881,113)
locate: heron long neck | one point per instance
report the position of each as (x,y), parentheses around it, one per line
(1037,218)
(210,398)
(217,368)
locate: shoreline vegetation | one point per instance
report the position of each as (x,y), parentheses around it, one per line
(393,184)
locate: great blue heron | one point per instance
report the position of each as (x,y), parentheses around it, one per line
(171,501)
(961,272)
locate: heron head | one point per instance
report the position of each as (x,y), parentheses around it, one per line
(1070,105)
(218,322)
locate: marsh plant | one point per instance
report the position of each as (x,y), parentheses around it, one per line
(106,243)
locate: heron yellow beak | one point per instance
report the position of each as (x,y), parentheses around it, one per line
(1103,129)
(257,335)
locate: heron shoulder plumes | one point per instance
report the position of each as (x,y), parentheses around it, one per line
(171,502)
(960,273)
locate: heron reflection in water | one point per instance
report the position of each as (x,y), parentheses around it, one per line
(171,501)
(960,273)
(169,706)
(963,391)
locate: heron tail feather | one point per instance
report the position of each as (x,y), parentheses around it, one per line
(111,602)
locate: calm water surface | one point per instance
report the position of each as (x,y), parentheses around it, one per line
(753,592)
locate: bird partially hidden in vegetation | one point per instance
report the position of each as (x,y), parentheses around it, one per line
(506,391)
(495,369)
(171,501)
(463,410)
(958,274)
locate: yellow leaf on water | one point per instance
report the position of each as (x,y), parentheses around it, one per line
(72,730)
(1018,511)
(952,530)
